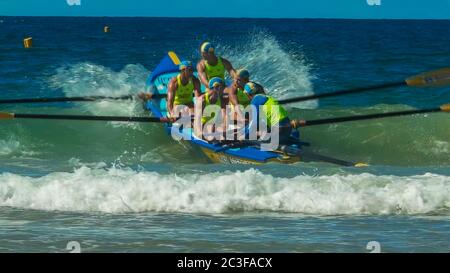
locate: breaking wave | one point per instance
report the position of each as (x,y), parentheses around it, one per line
(123,191)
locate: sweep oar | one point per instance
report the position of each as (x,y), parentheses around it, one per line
(76,99)
(433,78)
(4,115)
(311,156)
(304,154)
(304,123)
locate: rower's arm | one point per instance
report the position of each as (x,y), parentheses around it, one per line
(253,123)
(232,95)
(201,73)
(198,113)
(229,67)
(173,85)
(234,101)
(260,88)
(197,87)
(223,112)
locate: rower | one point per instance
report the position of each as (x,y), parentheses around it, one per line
(275,117)
(212,96)
(182,87)
(211,66)
(235,92)
(180,90)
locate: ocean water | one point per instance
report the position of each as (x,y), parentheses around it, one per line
(118,187)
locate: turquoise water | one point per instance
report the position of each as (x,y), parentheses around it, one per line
(128,187)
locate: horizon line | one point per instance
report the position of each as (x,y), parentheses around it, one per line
(256,18)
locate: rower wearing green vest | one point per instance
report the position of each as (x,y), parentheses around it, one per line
(275,113)
(211,66)
(182,88)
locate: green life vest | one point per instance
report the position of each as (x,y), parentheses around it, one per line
(207,103)
(184,93)
(217,70)
(274,117)
(242,98)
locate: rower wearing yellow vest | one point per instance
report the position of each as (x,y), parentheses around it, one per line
(236,92)
(211,66)
(182,87)
(212,96)
(276,115)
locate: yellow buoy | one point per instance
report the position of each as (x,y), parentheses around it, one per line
(28,42)
(106,29)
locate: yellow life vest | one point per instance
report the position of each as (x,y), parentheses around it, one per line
(274,117)
(205,119)
(217,70)
(184,93)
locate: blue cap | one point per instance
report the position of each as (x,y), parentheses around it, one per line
(184,64)
(250,88)
(207,47)
(243,73)
(214,82)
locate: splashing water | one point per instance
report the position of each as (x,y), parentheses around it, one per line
(87,79)
(284,74)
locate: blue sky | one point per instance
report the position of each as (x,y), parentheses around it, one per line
(398,9)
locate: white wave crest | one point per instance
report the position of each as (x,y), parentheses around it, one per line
(122,191)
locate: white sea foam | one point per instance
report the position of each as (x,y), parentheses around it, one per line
(121,191)
(12,146)
(87,79)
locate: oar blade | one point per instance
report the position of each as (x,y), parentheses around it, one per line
(4,115)
(434,78)
(445,108)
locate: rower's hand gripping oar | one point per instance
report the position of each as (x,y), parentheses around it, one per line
(4,115)
(434,78)
(305,123)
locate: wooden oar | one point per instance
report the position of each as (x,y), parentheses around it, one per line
(304,123)
(434,78)
(77,99)
(4,115)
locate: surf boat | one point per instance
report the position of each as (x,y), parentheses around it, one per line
(218,152)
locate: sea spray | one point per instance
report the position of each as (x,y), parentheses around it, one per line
(283,73)
(88,79)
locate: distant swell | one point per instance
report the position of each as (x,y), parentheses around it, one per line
(123,191)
